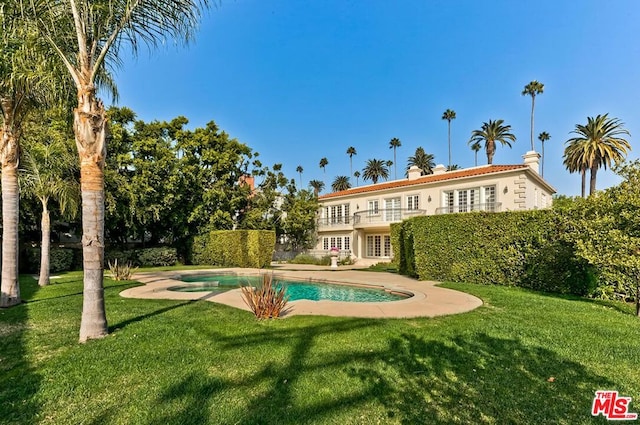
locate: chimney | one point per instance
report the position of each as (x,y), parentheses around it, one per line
(532,159)
(414,172)
(439,169)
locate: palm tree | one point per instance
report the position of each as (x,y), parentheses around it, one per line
(597,144)
(453,167)
(424,161)
(340,183)
(317,186)
(351,151)
(490,133)
(299,170)
(357,176)
(475,147)
(543,137)
(49,174)
(394,144)
(87,36)
(374,170)
(574,160)
(323,163)
(449,115)
(532,89)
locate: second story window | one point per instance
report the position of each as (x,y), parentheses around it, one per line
(413,202)
(373,207)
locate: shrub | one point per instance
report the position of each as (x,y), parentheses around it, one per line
(266,301)
(121,271)
(310,259)
(60,259)
(154,257)
(122,256)
(235,248)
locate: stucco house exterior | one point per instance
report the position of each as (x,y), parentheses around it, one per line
(357,221)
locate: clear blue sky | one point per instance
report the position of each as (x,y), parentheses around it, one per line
(302,80)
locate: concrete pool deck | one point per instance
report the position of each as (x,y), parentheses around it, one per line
(428,300)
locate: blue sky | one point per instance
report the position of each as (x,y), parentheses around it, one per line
(302,80)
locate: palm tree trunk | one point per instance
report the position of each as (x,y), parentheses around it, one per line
(395,165)
(592,181)
(90,128)
(45,246)
(542,161)
(9,153)
(533,103)
(476,155)
(584,180)
(449,139)
(491,150)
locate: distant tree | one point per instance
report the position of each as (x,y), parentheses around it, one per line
(299,170)
(299,221)
(476,147)
(490,133)
(374,170)
(424,161)
(351,151)
(340,183)
(357,176)
(532,89)
(543,137)
(597,144)
(394,144)
(449,115)
(453,167)
(317,186)
(323,163)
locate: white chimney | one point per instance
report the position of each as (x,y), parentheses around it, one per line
(414,172)
(439,169)
(532,159)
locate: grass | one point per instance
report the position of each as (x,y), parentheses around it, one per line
(176,362)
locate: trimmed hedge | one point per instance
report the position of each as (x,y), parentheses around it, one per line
(510,248)
(235,248)
(145,257)
(60,259)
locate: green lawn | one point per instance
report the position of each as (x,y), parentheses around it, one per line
(171,362)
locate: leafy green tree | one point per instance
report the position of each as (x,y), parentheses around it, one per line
(374,170)
(597,144)
(490,133)
(351,151)
(317,186)
(300,219)
(340,183)
(394,144)
(424,161)
(449,115)
(476,147)
(543,137)
(323,164)
(49,173)
(299,170)
(533,89)
(87,37)
(357,176)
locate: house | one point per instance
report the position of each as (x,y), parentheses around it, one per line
(358,220)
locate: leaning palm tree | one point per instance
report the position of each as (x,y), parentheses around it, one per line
(317,186)
(598,144)
(299,170)
(575,161)
(532,89)
(87,36)
(49,173)
(543,137)
(374,170)
(424,161)
(475,147)
(394,144)
(340,183)
(351,151)
(357,176)
(449,115)
(323,164)
(490,133)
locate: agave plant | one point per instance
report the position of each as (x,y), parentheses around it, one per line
(265,301)
(121,271)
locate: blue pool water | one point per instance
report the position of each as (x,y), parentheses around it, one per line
(295,290)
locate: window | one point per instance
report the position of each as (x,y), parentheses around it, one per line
(333,241)
(465,200)
(413,202)
(338,243)
(378,246)
(392,209)
(448,201)
(373,207)
(490,198)
(337,214)
(544,200)
(387,246)
(325,244)
(347,243)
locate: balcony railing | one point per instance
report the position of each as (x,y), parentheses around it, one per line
(391,215)
(335,221)
(489,207)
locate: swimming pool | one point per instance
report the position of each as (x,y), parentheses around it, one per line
(296,290)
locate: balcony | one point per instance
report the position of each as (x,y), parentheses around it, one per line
(382,217)
(488,207)
(335,223)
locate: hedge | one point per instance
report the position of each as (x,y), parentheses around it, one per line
(60,259)
(145,257)
(235,248)
(510,248)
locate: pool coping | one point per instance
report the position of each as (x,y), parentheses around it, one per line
(428,300)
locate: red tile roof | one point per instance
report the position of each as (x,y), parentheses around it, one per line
(431,178)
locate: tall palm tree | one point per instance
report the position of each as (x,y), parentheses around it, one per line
(597,144)
(340,183)
(357,176)
(323,163)
(532,89)
(351,151)
(475,147)
(394,144)
(299,170)
(543,137)
(449,115)
(490,133)
(575,161)
(87,37)
(48,173)
(424,161)
(317,186)
(374,170)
